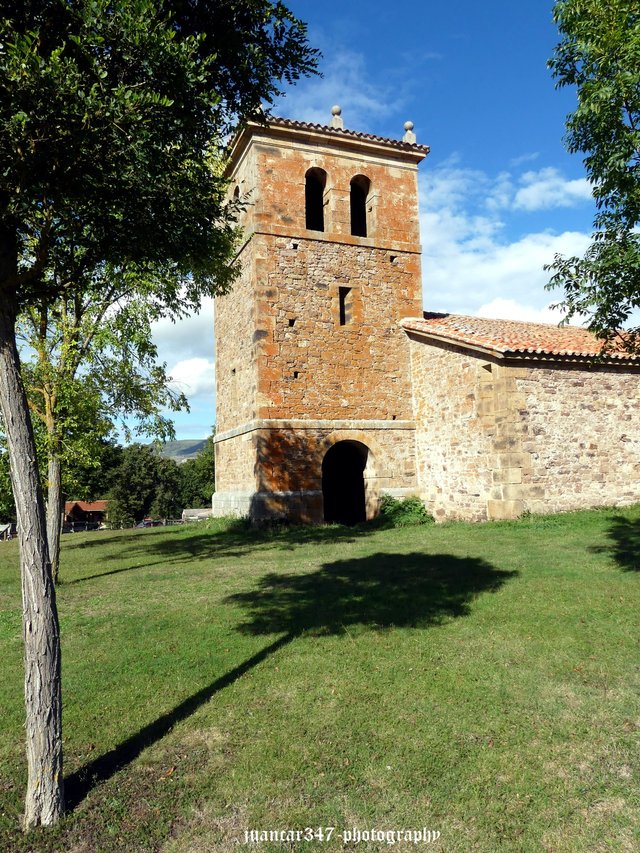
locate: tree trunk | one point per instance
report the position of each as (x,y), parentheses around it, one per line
(43,696)
(54,511)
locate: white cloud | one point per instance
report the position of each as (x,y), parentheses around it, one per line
(500,194)
(523,158)
(508,309)
(345,81)
(453,185)
(470,262)
(195,377)
(188,338)
(547,188)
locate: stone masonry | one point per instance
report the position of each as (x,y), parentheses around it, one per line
(332,387)
(497,436)
(309,347)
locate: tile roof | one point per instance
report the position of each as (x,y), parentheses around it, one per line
(86,506)
(276,121)
(516,338)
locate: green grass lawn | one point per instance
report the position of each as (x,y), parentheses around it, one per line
(478,680)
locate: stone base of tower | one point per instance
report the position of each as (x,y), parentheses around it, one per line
(304,507)
(313,471)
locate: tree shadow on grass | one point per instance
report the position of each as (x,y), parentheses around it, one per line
(63,582)
(240,536)
(86,778)
(624,545)
(100,538)
(379,591)
(234,540)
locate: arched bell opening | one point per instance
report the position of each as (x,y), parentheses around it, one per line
(359,193)
(314,186)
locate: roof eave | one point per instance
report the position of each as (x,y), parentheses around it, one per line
(456,342)
(523,355)
(313,134)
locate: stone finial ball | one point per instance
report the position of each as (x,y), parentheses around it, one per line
(408,125)
(336,110)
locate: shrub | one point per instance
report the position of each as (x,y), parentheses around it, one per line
(403,513)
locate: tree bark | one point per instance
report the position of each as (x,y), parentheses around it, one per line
(42,683)
(54,511)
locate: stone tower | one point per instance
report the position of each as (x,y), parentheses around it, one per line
(314,399)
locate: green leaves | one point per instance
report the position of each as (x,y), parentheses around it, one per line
(599,53)
(198,477)
(111,113)
(144,484)
(112,117)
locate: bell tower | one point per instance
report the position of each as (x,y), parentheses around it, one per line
(313,379)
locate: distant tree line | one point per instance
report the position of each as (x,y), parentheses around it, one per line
(137,481)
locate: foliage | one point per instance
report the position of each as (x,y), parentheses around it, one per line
(7,504)
(599,54)
(403,513)
(90,447)
(167,499)
(144,484)
(91,480)
(104,341)
(113,126)
(113,121)
(198,477)
(93,361)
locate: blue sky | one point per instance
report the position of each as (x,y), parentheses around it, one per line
(499,195)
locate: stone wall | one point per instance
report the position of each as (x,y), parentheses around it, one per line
(455,429)
(308,364)
(278,166)
(235,342)
(580,431)
(286,466)
(310,333)
(495,438)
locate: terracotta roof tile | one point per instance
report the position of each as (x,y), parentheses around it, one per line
(514,337)
(276,121)
(86,506)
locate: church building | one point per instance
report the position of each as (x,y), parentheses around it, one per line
(334,388)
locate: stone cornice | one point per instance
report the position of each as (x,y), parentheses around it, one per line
(310,423)
(316,134)
(328,237)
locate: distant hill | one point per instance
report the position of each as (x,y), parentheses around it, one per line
(180,451)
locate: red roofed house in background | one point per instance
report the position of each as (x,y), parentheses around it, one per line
(333,388)
(85,511)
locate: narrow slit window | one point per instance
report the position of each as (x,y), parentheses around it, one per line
(360,187)
(315,183)
(345,296)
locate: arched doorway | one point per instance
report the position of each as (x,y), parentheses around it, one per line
(343,482)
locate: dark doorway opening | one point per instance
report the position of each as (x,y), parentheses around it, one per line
(343,483)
